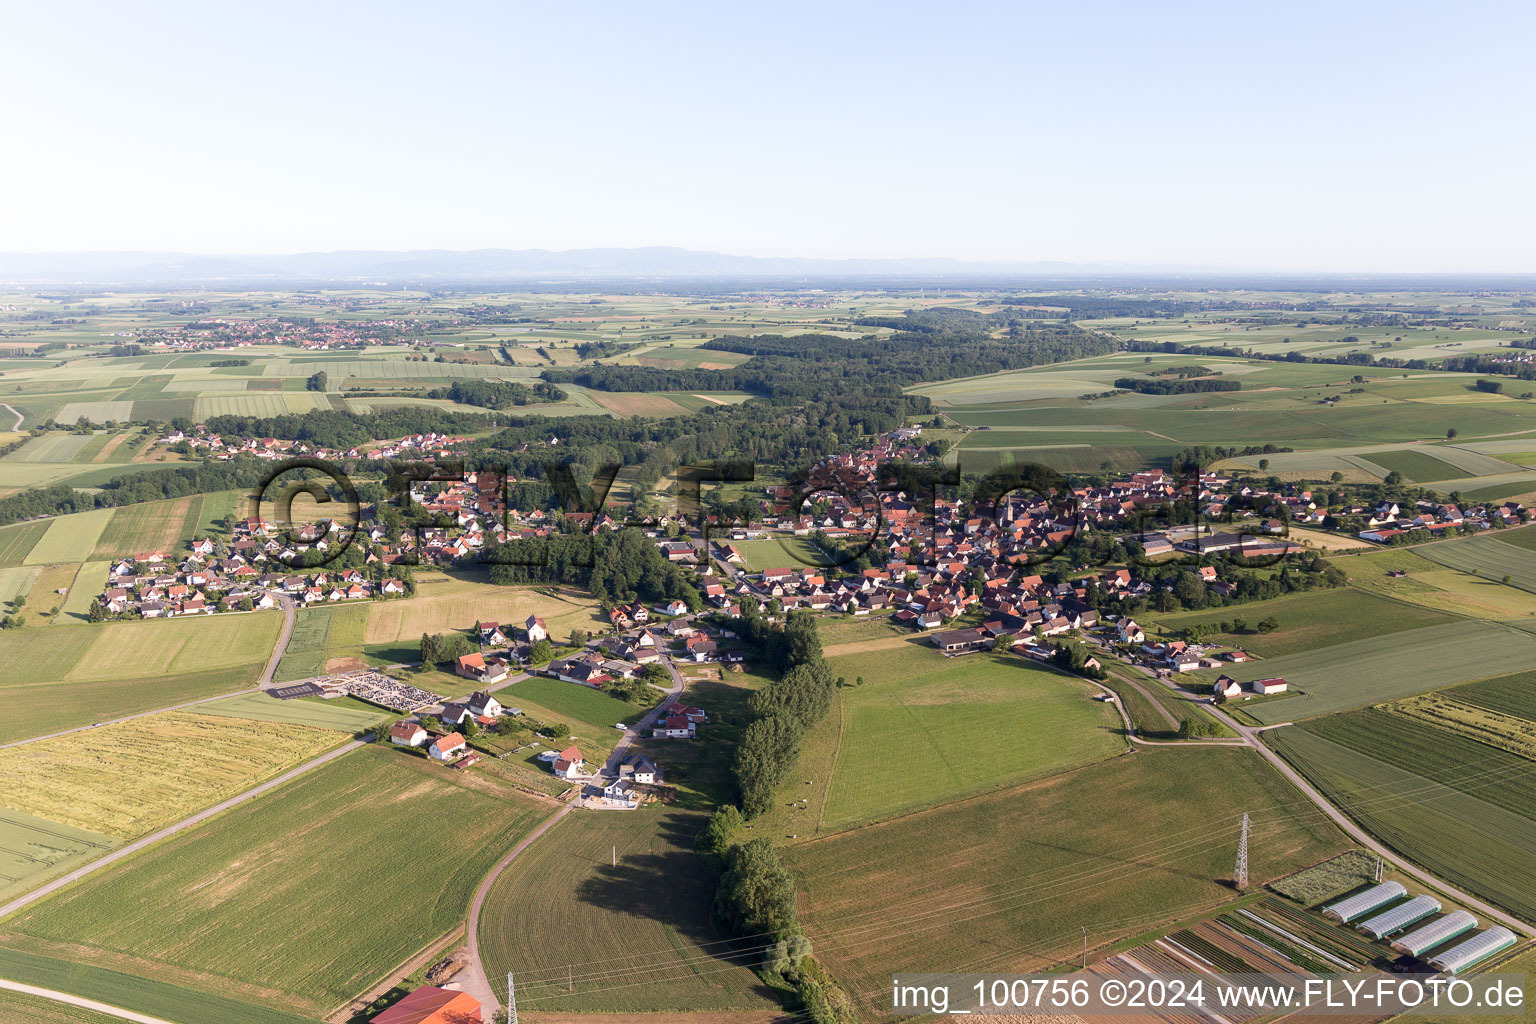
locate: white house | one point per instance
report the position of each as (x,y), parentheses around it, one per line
(1226,686)
(407,734)
(446,748)
(1268,686)
(569,764)
(536,629)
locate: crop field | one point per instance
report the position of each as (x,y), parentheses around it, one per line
(38,708)
(1444,710)
(44,601)
(118,650)
(1513,695)
(646,920)
(1465,838)
(164,526)
(570,700)
(1489,557)
(70,538)
(33,848)
(925,728)
(16,1008)
(222,907)
(256,403)
(1308,621)
(1008,878)
(632,403)
(18,540)
(17,581)
(95,412)
(1380,668)
(129,778)
(320,634)
(316,714)
(54,446)
(1415,466)
(1432,585)
(443,603)
(1330,879)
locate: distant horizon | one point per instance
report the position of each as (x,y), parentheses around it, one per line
(648,263)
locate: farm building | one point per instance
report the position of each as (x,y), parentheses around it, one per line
(1226,686)
(1400,917)
(1362,903)
(1458,922)
(1268,686)
(432,1005)
(1473,951)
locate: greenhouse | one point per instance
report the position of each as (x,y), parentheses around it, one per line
(1347,910)
(1456,923)
(1474,951)
(1400,917)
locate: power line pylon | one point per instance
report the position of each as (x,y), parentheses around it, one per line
(1240,872)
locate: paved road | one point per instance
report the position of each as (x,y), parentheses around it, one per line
(89,1004)
(475,981)
(19,416)
(170,830)
(635,731)
(286,603)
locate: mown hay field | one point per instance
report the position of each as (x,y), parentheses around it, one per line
(925,728)
(645,920)
(1379,668)
(129,778)
(444,603)
(1007,879)
(360,864)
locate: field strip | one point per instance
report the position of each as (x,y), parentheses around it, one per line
(170,830)
(716,401)
(80,1001)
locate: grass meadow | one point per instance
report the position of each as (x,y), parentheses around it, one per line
(330,714)
(644,920)
(1489,557)
(319,865)
(127,779)
(163,526)
(925,728)
(569,701)
(70,538)
(1006,880)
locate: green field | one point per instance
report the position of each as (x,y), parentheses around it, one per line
(89,582)
(32,849)
(1415,466)
(70,538)
(1308,621)
(16,1008)
(1350,675)
(1008,879)
(570,700)
(646,921)
(925,728)
(142,995)
(1487,556)
(69,675)
(163,526)
(17,540)
(779,553)
(327,715)
(1459,836)
(316,866)
(330,631)
(1512,695)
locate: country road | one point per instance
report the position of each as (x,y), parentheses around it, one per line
(286,603)
(475,981)
(1250,737)
(19,416)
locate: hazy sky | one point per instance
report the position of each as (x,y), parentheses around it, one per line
(1338,135)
